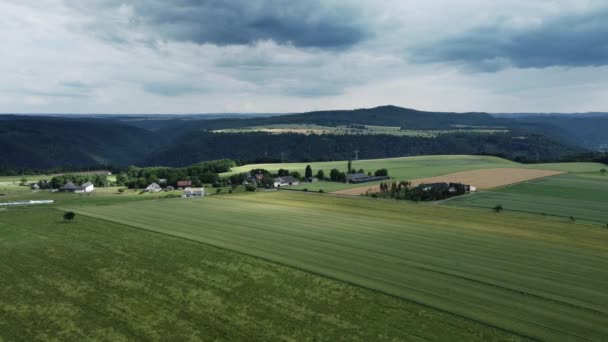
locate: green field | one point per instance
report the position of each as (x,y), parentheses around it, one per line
(96,280)
(408,168)
(583,196)
(369,130)
(539,278)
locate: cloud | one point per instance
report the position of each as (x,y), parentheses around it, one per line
(576,40)
(311,23)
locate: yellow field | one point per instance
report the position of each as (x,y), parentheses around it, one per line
(481,179)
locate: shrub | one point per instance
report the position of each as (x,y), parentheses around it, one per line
(321,191)
(69,216)
(305,189)
(250,187)
(498,208)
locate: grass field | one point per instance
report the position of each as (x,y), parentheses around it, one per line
(96,280)
(540,278)
(409,168)
(582,195)
(369,130)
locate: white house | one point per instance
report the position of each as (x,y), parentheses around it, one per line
(88,187)
(153,187)
(285,181)
(193,192)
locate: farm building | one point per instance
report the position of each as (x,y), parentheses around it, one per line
(450,187)
(35,186)
(286,181)
(357,178)
(184,183)
(169,188)
(88,187)
(71,187)
(193,192)
(312,179)
(153,187)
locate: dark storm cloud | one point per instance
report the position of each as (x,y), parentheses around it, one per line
(568,41)
(311,23)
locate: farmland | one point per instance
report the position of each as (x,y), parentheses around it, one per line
(481,179)
(409,168)
(96,280)
(584,196)
(512,271)
(361,130)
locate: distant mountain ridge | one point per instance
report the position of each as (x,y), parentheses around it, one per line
(51,141)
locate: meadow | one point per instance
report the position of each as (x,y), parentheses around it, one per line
(537,278)
(583,196)
(96,280)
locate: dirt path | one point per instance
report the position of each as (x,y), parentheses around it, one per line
(481,179)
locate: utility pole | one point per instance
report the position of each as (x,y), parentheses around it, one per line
(356,155)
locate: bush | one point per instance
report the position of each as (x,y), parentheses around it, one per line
(230,191)
(381,173)
(498,208)
(250,187)
(305,189)
(218,190)
(121,190)
(69,216)
(321,191)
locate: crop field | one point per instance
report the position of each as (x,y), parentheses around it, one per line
(583,196)
(538,278)
(409,168)
(368,130)
(481,179)
(92,279)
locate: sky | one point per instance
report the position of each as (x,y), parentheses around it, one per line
(211,56)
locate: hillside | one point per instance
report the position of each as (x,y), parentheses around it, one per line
(49,141)
(45,142)
(249,147)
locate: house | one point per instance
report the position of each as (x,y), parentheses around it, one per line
(357,178)
(285,181)
(259,177)
(169,188)
(35,186)
(153,187)
(193,192)
(184,183)
(312,179)
(71,187)
(88,187)
(162,181)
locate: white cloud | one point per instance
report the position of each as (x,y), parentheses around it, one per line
(58,58)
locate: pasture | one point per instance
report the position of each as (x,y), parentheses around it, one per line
(538,278)
(96,280)
(583,196)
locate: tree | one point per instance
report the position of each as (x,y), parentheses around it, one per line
(308,172)
(350,166)
(321,175)
(69,216)
(603,171)
(498,208)
(23,181)
(296,175)
(381,173)
(333,175)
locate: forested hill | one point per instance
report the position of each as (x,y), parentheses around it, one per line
(379,116)
(252,147)
(44,142)
(47,142)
